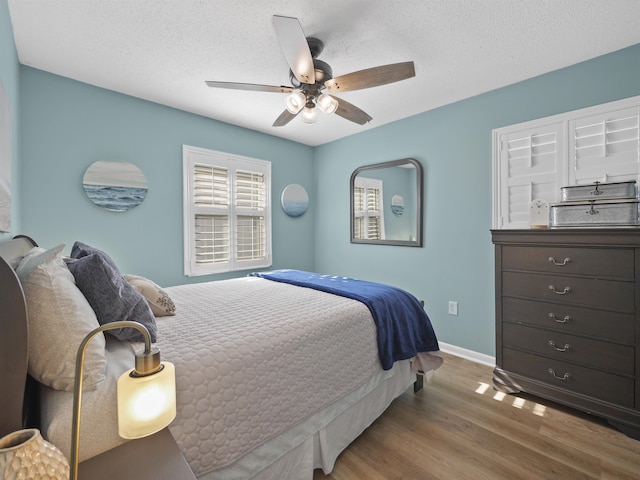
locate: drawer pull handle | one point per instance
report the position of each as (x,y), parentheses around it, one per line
(559,264)
(566,376)
(563,292)
(565,319)
(559,349)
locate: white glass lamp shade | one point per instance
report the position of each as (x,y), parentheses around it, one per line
(296,101)
(146,404)
(309,115)
(327,103)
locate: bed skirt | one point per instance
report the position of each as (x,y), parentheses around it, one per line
(317,442)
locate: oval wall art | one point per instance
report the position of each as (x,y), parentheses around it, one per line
(397,205)
(115,186)
(295,200)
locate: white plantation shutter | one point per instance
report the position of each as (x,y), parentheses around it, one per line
(250,206)
(251,238)
(534,160)
(374,213)
(211,185)
(605,147)
(358,199)
(250,191)
(374,229)
(212,243)
(359,225)
(211,206)
(367,209)
(373,199)
(530,168)
(227,212)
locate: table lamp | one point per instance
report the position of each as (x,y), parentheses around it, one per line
(146,393)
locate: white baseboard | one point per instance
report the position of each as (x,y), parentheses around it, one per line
(468,354)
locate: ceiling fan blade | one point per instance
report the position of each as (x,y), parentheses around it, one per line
(250,86)
(351,112)
(371,77)
(284,118)
(295,48)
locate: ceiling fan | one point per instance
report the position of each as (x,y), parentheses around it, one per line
(310,77)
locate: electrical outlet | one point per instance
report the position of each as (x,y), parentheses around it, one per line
(453,308)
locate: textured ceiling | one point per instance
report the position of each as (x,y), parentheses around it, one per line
(164,50)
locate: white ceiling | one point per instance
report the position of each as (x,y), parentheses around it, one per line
(164,50)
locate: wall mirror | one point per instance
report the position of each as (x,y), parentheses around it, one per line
(386,203)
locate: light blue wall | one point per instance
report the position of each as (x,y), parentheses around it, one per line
(453,143)
(10,78)
(68,125)
(62,126)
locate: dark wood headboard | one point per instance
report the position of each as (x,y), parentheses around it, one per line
(13,339)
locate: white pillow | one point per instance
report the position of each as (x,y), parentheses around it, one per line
(159,301)
(59,318)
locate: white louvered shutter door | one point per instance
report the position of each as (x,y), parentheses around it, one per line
(368,216)
(358,213)
(605,147)
(531,167)
(250,227)
(373,214)
(211,206)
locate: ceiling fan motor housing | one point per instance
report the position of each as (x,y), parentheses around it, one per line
(322,71)
(315,46)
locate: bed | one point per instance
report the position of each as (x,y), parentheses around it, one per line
(274,377)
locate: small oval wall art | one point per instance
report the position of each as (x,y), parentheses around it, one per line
(114,185)
(295,200)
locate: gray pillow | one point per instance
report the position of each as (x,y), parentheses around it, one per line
(110,296)
(59,318)
(80,250)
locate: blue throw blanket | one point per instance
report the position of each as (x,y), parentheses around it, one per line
(404,329)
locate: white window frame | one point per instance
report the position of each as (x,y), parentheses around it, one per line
(569,171)
(233,164)
(370,184)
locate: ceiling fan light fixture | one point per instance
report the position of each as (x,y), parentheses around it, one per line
(310,76)
(295,102)
(327,103)
(309,115)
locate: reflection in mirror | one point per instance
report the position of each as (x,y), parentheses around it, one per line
(386,203)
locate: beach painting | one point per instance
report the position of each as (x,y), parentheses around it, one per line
(295,200)
(5,160)
(114,185)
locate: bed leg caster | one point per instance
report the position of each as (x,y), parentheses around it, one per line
(418,384)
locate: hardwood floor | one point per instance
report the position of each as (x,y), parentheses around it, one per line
(458,427)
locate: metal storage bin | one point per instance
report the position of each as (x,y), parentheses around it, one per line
(593,214)
(599,191)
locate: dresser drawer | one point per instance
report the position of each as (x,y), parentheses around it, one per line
(605,294)
(604,386)
(598,354)
(596,262)
(618,327)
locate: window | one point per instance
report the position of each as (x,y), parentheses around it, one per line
(534,160)
(368,214)
(227,214)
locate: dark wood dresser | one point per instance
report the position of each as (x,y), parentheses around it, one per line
(568,319)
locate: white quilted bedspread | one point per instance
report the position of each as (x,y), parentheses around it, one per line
(254,357)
